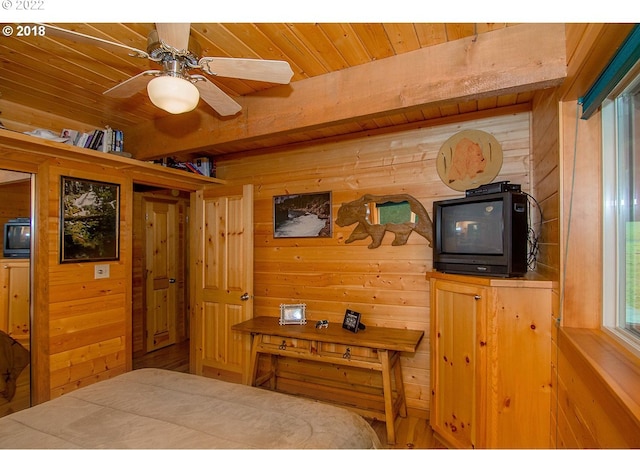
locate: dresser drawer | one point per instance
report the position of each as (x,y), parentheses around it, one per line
(273,344)
(347,352)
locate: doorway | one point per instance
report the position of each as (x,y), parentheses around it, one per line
(15,291)
(160,283)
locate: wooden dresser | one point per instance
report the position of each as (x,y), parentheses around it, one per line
(375,348)
(14,299)
(490,361)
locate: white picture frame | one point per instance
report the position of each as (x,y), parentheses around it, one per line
(295,314)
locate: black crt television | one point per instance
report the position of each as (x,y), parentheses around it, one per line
(17,238)
(482,234)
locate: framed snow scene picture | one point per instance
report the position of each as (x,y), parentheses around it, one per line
(89,220)
(302,215)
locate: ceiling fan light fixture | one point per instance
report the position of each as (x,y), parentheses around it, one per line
(173,94)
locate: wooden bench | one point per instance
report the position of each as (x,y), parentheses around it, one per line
(375,348)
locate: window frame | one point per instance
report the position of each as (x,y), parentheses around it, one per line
(612,270)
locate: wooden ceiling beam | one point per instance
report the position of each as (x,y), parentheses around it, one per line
(508,61)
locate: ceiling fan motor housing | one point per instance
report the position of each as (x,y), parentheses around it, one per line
(160,51)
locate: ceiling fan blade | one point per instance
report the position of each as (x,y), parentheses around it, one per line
(248,69)
(80,38)
(216,97)
(131,86)
(175,34)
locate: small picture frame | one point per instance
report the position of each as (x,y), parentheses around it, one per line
(351,321)
(293,314)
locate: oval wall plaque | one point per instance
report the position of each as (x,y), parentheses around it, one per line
(469,159)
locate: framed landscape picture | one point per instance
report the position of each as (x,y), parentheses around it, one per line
(302,215)
(89,220)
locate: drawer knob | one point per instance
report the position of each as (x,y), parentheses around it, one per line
(283,346)
(347,355)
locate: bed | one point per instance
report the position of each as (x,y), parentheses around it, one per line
(155,408)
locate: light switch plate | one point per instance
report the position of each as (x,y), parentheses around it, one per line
(101,271)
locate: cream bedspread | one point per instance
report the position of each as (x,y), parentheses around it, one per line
(153,408)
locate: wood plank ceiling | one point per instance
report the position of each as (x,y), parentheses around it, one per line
(67,79)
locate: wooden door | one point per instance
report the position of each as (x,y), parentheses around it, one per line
(222,258)
(161,236)
(458,362)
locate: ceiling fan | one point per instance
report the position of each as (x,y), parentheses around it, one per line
(173,88)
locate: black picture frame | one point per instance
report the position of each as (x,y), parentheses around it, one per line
(89,220)
(302,215)
(351,321)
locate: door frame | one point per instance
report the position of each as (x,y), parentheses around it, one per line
(139,344)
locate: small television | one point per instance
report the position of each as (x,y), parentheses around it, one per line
(17,238)
(484,234)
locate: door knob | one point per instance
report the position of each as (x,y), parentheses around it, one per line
(244,297)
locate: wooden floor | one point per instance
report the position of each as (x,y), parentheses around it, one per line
(411,432)
(174,357)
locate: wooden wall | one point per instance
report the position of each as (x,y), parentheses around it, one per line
(23,118)
(545,173)
(89,320)
(387,285)
(81,326)
(596,382)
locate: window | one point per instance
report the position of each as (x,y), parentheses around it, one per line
(621,182)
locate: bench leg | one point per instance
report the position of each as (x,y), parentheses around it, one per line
(397,371)
(388,396)
(253,364)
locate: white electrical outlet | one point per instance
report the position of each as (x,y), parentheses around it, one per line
(101,271)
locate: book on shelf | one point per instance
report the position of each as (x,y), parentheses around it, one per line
(204,166)
(98,137)
(200,166)
(192,168)
(105,139)
(81,140)
(118,144)
(70,135)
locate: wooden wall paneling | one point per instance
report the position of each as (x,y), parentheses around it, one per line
(582,205)
(586,409)
(387,284)
(589,47)
(24,118)
(82,327)
(545,163)
(138,275)
(89,322)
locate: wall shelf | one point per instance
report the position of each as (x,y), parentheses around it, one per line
(33,151)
